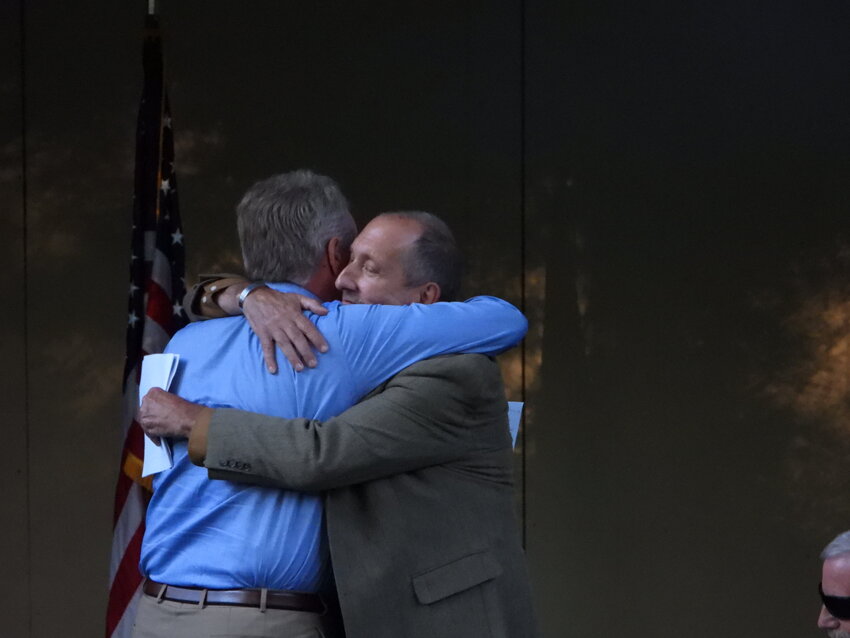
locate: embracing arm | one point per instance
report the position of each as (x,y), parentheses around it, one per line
(379,341)
(276,317)
(432,413)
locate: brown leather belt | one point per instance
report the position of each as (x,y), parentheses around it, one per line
(260,598)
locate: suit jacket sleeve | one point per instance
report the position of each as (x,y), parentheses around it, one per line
(433,412)
(199,303)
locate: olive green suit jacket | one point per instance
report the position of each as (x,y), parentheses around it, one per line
(418,498)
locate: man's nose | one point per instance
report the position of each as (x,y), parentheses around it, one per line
(344,280)
(827,620)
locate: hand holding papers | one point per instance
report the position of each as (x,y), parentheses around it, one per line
(157,372)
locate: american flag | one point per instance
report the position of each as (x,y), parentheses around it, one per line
(155,313)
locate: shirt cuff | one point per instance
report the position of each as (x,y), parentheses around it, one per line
(198,437)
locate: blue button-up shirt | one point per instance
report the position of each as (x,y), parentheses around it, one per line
(223,535)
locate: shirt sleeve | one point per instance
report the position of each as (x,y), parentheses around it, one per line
(379,341)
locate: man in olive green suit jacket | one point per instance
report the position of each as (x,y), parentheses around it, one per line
(418,495)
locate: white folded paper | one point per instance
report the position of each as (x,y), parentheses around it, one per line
(157,372)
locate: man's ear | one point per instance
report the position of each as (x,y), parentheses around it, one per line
(336,256)
(429,293)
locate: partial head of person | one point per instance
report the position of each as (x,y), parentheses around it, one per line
(402,258)
(296,227)
(835,588)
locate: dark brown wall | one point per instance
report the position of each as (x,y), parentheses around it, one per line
(662,187)
(14,549)
(686,174)
(67,259)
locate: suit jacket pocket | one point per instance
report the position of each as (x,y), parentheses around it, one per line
(455,577)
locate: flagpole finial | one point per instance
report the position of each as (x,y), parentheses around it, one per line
(151,7)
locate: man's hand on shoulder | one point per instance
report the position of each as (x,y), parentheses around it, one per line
(277,319)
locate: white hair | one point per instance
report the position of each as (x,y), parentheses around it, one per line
(838,546)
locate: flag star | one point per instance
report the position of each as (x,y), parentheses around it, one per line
(133,289)
(166,121)
(166,186)
(178,309)
(177,237)
(133,319)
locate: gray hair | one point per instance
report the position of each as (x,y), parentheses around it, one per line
(435,255)
(839,545)
(285,223)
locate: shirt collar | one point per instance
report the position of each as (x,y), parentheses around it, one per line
(288,287)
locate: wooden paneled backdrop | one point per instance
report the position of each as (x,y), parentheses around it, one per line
(662,186)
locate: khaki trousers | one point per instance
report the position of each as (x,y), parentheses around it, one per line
(168,619)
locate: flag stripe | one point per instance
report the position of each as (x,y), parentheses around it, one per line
(134,444)
(161,272)
(122,491)
(155,338)
(132,515)
(127,580)
(159,309)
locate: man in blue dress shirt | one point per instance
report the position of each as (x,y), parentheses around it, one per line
(234,549)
